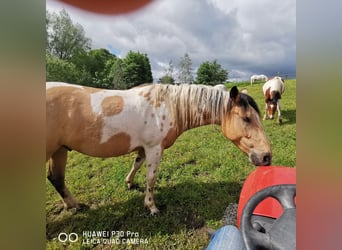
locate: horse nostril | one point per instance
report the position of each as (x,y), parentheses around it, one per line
(267,159)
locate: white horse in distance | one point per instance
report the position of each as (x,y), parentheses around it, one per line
(258,78)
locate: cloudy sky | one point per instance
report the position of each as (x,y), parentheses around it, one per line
(245,36)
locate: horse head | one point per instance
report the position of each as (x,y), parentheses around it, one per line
(242,125)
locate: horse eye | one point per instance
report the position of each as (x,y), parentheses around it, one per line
(246,119)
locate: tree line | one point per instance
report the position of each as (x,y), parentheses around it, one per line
(69,58)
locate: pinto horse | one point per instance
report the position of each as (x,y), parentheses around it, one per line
(258,78)
(146,119)
(273,89)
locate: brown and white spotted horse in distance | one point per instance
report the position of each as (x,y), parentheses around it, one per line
(273,90)
(146,119)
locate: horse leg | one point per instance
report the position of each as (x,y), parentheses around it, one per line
(265,115)
(280,120)
(56,176)
(139,160)
(153,156)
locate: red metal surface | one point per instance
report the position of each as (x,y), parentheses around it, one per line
(259,179)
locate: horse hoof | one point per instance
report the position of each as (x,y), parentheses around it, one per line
(80,208)
(83,207)
(58,209)
(135,187)
(155,212)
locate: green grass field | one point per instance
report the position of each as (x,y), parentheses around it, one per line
(197,178)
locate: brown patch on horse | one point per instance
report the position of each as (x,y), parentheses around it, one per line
(154,99)
(91,90)
(147,94)
(77,127)
(267,95)
(112,105)
(170,138)
(118,144)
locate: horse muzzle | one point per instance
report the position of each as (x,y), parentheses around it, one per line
(261,159)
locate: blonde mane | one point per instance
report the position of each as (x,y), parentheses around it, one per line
(192,105)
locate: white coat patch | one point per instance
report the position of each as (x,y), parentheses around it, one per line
(138,118)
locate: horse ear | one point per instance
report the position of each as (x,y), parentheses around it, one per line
(234,93)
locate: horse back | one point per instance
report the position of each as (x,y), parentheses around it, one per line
(103,123)
(275,84)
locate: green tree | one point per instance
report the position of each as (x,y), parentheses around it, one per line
(107,74)
(136,69)
(117,75)
(185,74)
(48,18)
(211,73)
(82,62)
(166,80)
(70,59)
(168,76)
(64,38)
(64,71)
(99,64)
(99,58)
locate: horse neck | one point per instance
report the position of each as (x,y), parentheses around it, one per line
(194,121)
(194,106)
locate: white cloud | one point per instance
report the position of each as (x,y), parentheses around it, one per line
(245,36)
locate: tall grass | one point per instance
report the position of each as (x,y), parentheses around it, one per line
(197,178)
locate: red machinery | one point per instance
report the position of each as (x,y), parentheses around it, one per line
(259,179)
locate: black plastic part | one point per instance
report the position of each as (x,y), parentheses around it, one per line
(279,235)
